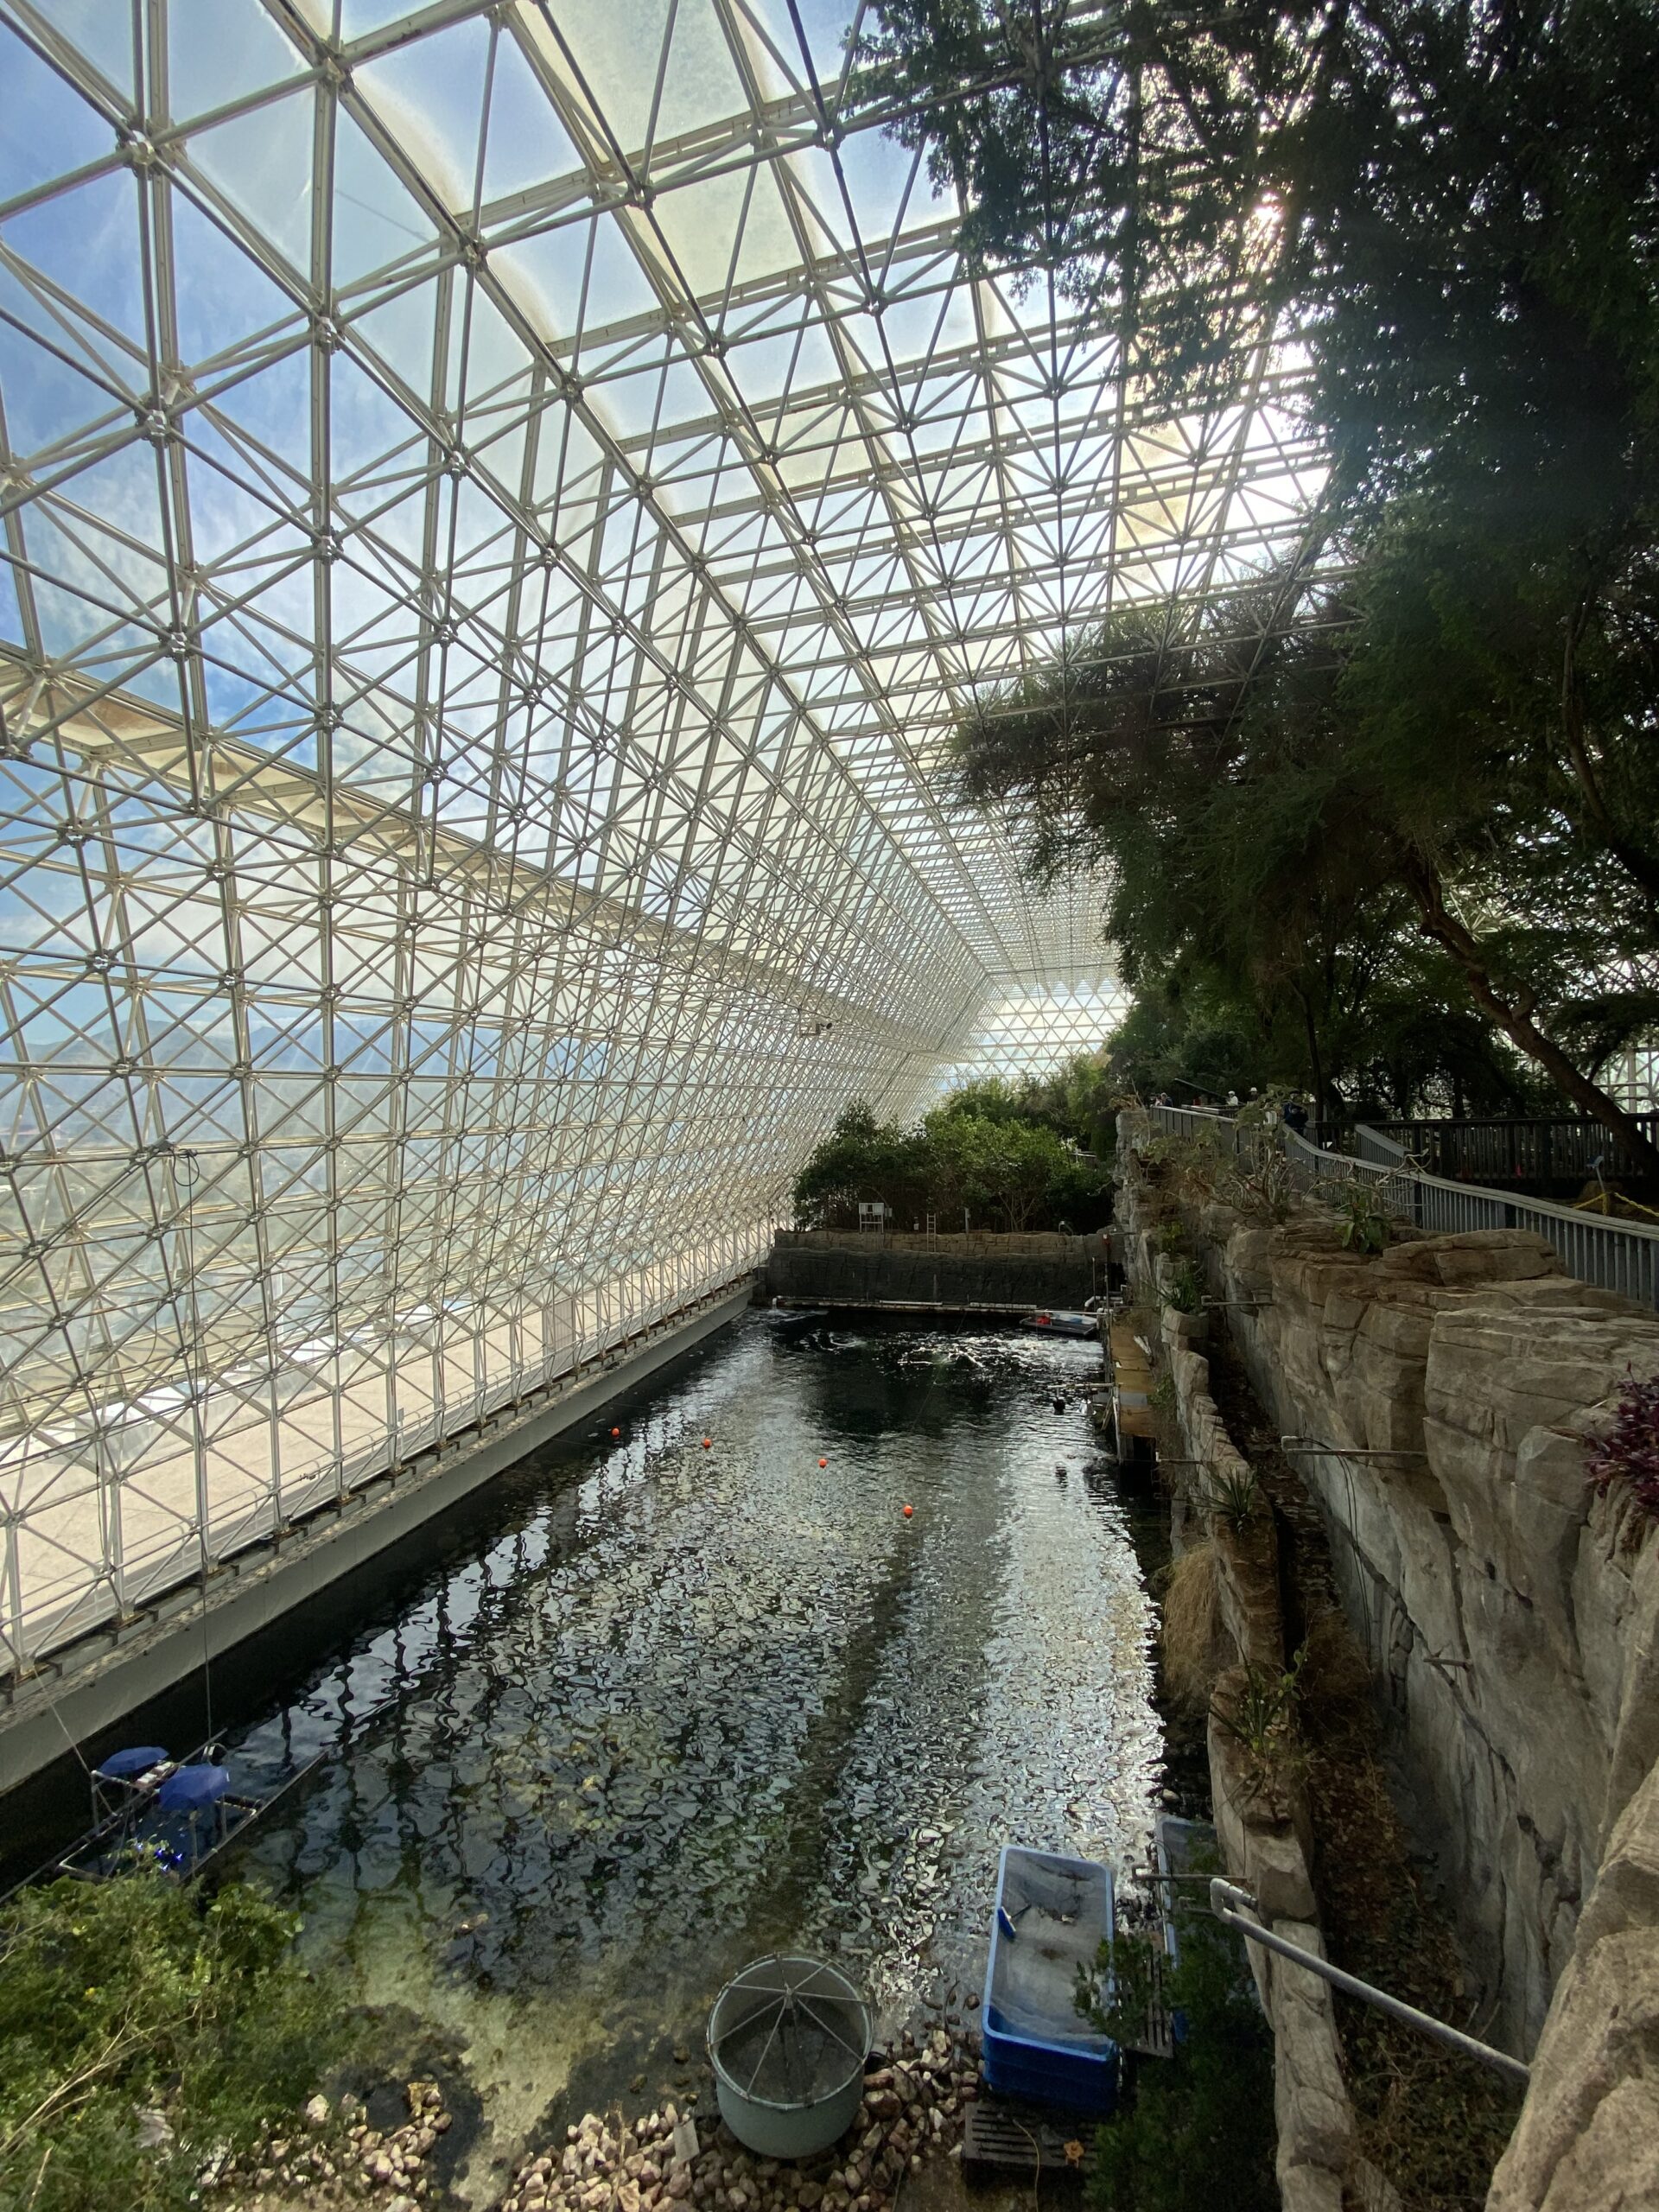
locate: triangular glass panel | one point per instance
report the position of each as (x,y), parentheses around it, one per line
(367,424)
(429,93)
(261,163)
(222,50)
(274,408)
(527,144)
(377,222)
(87,242)
(401,331)
(46,128)
(221,295)
(46,402)
(104,35)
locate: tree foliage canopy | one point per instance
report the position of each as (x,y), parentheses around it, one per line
(993,1152)
(1339,831)
(1420,764)
(1453,205)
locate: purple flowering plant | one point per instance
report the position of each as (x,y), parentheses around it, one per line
(1629,1454)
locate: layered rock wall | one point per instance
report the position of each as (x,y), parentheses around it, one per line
(1263,1832)
(1441,1393)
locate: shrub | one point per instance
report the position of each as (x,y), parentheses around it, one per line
(1258,1713)
(124,2007)
(1367,1224)
(1232,1494)
(1629,1454)
(1185,1290)
(1334,1692)
(1265,1190)
(1197,2129)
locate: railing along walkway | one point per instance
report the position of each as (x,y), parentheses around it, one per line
(1496,1153)
(1617,1256)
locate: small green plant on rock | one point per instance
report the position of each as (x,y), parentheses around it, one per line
(1169,1238)
(1232,1494)
(1185,1290)
(1367,1224)
(1161,1397)
(1258,1713)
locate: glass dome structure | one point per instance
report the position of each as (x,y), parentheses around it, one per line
(500,504)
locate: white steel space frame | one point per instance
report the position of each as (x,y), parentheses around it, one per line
(503,506)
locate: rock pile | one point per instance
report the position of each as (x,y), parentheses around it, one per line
(338,2156)
(911,2109)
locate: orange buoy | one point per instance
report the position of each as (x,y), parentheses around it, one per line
(823,1463)
(909,1510)
(616,1431)
(707,1443)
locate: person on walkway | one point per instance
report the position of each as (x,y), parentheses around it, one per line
(1295,1114)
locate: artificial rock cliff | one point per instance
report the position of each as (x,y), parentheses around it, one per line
(1441,1394)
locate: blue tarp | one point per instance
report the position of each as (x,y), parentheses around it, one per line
(124,1766)
(193,1788)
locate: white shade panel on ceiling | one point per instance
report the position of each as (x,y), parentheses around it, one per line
(502,505)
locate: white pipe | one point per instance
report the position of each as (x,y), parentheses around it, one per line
(1237,1911)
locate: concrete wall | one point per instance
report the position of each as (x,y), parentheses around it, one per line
(92,1685)
(826,1267)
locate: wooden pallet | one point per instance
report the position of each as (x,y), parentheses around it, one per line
(1002,2137)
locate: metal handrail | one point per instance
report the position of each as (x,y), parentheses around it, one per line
(1622,1256)
(1497,1151)
(1378,1146)
(1235,1909)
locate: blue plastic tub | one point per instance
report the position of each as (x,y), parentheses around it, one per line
(1051,1915)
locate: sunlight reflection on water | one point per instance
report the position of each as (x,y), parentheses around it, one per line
(664,1709)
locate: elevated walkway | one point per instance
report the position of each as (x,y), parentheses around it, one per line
(1622,1256)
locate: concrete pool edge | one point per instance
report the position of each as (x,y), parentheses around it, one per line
(92,1685)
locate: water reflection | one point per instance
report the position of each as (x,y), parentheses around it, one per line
(677,1708)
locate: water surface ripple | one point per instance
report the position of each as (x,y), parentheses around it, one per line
(652,1709)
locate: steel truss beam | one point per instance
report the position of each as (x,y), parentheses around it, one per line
(500,525)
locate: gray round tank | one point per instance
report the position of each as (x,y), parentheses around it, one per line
(788,2038)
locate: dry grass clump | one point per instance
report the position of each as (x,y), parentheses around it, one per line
(1192,1636)
(1335,1692)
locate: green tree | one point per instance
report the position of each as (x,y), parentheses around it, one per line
(1289,835)
(1453,209)
(1008,1167)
